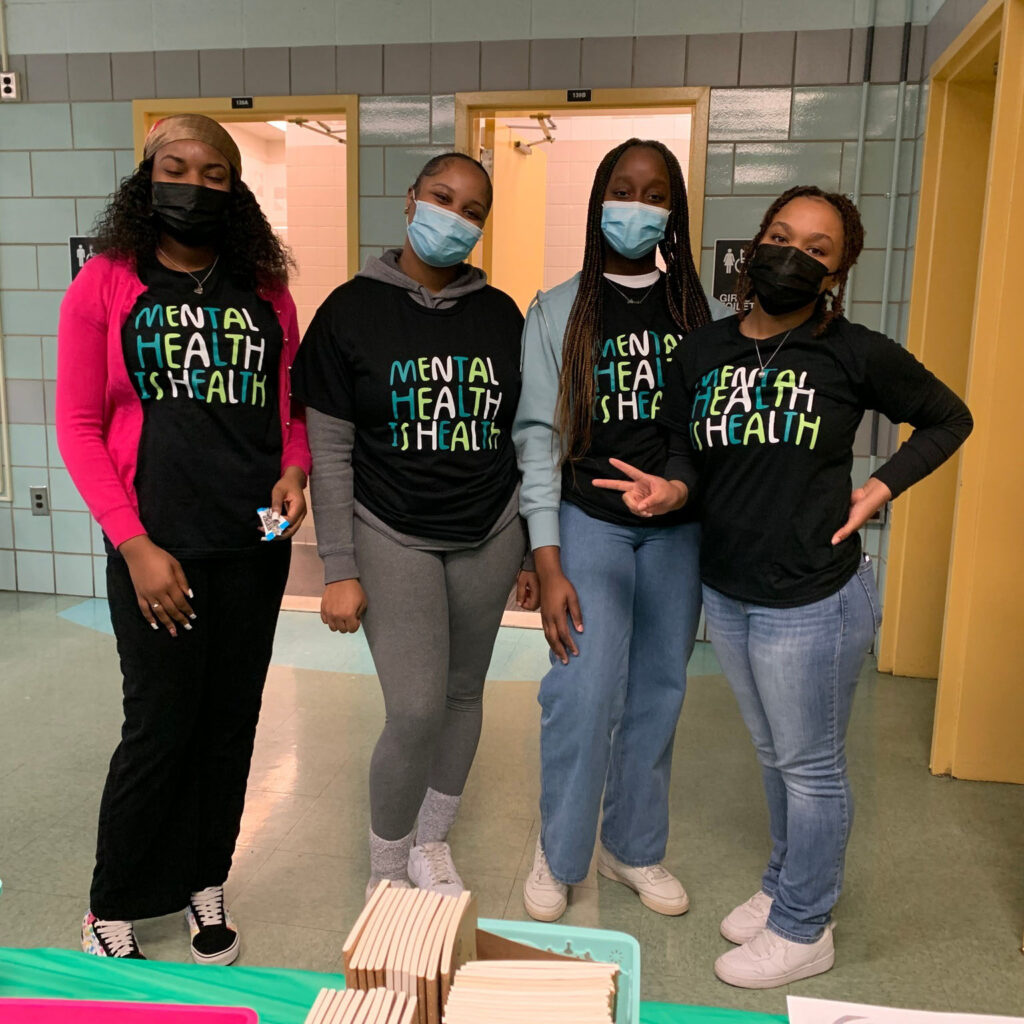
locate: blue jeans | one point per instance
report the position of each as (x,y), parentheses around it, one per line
(608,718)
(794,671)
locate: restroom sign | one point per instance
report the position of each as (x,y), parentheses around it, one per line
(728,265)
(81,251)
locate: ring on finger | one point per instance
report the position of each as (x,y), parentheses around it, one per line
(156,604)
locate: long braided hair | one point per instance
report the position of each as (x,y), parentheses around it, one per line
(577,387)
(830,304)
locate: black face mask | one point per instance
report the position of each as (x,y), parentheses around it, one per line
(784,278)
(191,214)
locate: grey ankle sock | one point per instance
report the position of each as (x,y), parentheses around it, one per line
(437,815)
(389,858)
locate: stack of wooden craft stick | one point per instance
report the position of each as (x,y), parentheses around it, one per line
(411,941)
(528,991)
(353,1006)
(416,957)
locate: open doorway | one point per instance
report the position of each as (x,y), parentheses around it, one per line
(300,158)
(543,147)
(543,168)
(297,168)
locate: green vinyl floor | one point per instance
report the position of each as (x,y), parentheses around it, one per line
(931,916)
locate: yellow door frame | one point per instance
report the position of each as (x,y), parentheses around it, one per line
(272,108)
(949,238)
(979,712)
(471,107)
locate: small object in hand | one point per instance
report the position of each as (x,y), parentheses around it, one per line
(272,523)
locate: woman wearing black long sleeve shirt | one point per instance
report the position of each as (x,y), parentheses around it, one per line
(764,408)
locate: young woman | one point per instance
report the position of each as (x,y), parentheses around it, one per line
(175,421)
(411,374)
(765,407)
(596,352)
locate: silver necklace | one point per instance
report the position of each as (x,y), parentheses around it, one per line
(634,302)
(757,348)
(199,284)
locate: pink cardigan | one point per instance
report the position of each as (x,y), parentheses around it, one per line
(99,413)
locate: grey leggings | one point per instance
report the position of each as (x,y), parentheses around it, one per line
(431,621)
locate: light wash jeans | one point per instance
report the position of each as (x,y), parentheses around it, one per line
(794,671)
(609,717)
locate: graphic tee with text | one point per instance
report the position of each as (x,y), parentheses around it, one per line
(432,394)
(206,369)
(638,343)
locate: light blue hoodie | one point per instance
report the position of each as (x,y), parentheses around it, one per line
(533,431)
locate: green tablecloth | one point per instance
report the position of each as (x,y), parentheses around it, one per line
(279,996)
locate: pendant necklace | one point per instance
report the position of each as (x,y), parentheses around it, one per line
(757,348)
(634,302)
(199,283)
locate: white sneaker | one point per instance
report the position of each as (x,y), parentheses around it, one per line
(396,883)
(658,889)
(743,923)
(768,960)
(544,897)
(431,867)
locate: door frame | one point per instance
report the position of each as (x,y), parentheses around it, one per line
(471,107)
(145,113)
(979,705)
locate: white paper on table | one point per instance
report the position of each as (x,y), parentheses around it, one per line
(827,1011)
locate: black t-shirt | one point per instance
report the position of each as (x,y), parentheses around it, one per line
(206,368)
(639,340)
(771,454)
(431,392)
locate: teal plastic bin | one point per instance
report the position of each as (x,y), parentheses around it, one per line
(587,944)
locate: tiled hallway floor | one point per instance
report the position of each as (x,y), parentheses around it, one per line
(931,917)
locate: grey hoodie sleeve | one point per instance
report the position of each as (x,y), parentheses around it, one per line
(330,441)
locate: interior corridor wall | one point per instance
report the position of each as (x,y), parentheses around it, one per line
(784,108)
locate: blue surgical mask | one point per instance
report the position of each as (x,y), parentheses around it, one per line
(633,229)
(440,237)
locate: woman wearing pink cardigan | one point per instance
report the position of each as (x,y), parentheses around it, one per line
(175,421)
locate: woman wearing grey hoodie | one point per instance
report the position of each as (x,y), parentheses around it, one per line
(410,374)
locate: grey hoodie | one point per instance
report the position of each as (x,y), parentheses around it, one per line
(331,442)
(385,268)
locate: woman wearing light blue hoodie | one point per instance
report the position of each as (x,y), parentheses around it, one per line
(595,351)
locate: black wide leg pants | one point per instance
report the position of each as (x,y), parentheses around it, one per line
(173,800)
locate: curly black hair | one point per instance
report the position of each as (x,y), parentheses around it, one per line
(251,251)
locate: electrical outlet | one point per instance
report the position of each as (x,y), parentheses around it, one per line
(9,86)
(39,499)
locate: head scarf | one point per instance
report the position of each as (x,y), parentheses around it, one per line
(198,128)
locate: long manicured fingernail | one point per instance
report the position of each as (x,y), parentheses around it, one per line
(153,625)
(190,594)
(187,626)
(193,616)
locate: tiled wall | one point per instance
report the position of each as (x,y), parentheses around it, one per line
(317,217)
(263,165)
(60,156)
(46,26)
(784,108)
(580,143)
